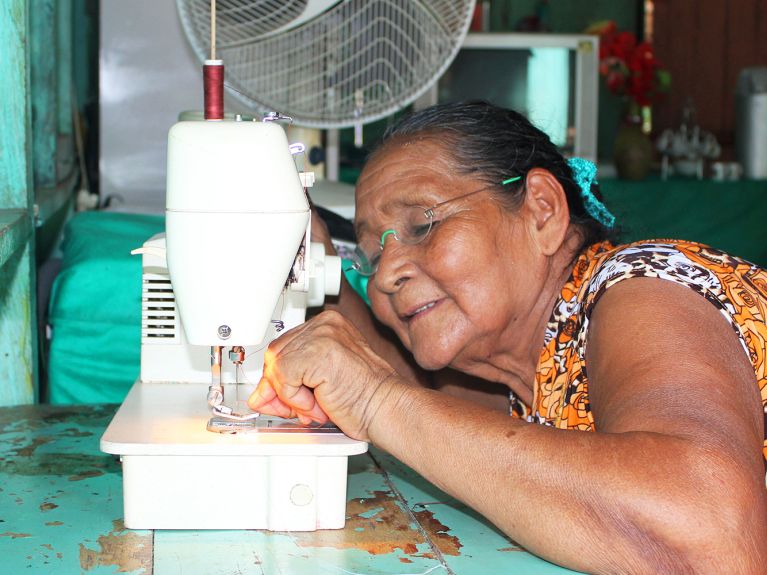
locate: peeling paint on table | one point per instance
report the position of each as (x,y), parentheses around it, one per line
(127,550)
(61,498)
(61,512)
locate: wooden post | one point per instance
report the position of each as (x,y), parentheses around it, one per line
(66,156)
(18,338)
(43,90)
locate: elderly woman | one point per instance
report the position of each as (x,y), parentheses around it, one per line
(633,434)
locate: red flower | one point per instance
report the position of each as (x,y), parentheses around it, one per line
(630,68)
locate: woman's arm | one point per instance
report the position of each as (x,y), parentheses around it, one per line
(488,394)
(673,481)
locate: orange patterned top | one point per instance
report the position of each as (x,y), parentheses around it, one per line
(736,287)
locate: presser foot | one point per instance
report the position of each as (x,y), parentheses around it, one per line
(226,412)
(217,407)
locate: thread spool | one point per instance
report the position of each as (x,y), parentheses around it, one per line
(213,87)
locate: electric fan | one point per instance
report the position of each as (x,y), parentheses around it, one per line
(329,63)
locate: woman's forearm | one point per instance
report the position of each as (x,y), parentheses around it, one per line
(657,503)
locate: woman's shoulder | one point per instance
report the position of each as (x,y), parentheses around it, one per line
(660,250)
(706,270)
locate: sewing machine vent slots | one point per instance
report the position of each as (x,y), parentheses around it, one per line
(158,309)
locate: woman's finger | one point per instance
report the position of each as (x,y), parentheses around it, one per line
(298,396)
(263,394)
(287,402)
(277,407)
(317,414)
(288,379)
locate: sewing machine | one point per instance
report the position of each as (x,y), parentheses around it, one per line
(234,269)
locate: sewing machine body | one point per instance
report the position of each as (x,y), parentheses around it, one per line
(166,353)
(234,269)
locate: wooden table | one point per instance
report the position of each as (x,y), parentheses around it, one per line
(61,512)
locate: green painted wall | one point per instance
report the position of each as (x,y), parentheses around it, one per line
(563,16)
(38,172)
(18,349)
(43,90)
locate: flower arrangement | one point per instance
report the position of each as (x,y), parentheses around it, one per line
(629,67)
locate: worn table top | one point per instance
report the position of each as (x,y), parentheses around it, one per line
(61,512)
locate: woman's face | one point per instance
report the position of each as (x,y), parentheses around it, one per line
(454,298)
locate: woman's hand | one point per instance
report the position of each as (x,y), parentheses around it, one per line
(324,369)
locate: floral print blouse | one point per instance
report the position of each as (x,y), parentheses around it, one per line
(736,287)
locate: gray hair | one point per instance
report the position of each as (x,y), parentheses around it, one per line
(494,144)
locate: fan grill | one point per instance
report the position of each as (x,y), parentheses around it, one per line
(239,22)
(357,62)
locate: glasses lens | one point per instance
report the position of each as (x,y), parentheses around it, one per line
(411,228)
(365,259)
(415,226)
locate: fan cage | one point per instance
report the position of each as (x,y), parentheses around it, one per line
(358,62)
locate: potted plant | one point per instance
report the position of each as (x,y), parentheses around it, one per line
(633,73)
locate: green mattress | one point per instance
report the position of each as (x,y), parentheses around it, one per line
(95,308)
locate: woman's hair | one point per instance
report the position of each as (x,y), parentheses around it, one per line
(494,144)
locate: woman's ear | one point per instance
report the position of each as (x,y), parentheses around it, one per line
(546,211)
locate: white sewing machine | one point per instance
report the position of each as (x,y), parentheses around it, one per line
(235,268)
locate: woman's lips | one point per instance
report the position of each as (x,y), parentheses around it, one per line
(420,311)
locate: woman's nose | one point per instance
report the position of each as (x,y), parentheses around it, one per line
(394,267)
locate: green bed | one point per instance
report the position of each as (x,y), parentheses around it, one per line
(95,308)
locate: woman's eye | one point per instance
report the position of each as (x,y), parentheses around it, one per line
(421,230)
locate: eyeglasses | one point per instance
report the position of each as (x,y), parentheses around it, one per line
(411,227)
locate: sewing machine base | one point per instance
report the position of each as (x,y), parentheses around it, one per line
(278,493)
(179,475)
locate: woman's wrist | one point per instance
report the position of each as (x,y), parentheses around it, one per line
(390,401)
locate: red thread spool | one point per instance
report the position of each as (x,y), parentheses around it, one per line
(213,85)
